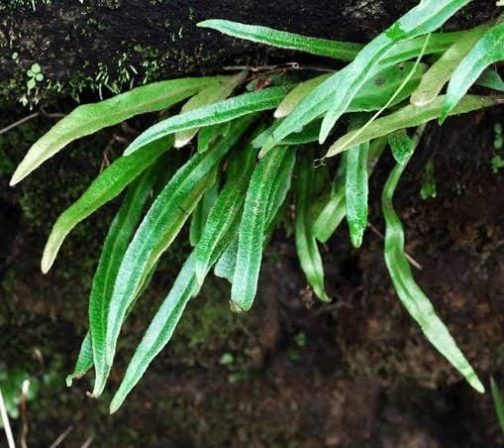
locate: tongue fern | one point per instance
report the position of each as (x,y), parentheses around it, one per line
(253,145)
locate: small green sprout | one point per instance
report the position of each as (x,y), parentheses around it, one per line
(34,76)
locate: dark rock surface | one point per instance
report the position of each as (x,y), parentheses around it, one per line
(113,44)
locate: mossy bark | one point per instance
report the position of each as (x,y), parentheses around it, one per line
(113,44)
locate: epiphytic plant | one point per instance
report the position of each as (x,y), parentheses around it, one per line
(234,187)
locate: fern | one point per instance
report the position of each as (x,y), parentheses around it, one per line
(234,193)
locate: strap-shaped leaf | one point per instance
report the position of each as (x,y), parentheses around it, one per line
(498,402)
(220,112)
(119,235)
(163,325)
(225,266)
(252,227)
(90,118)
(215,92)
(108,185)
(161,225)
(410,294)
(227,209)
(382,85)
(426,17)
(334,211)
(306,245)
(441,71)
(159,331)
(84,361)
(200,214)
(402,146)
(373,95)
(357,191)
(488,50)
(209,135)
(409,116)
(344,51)
(279,190)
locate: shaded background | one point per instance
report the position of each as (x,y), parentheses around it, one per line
(292,373)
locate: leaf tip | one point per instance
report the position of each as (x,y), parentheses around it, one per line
(180,142)
(235,307)
(46,263)
(280,112)
(115,405)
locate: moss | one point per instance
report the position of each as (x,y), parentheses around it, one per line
(208,321)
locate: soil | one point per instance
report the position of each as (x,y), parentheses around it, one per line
(356,373)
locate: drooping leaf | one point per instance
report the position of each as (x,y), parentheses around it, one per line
(215,92)
(410,294)
(252,227)
(409,116)
(498,402)
(163,325)
(402,146)
(108,185)
(488,50)
(161,225)
(159,331)
(200,214)
(220,112)
(306,245)
(84,361)
(90,118)
(334,211)
(344,51)
(225,266)
(116,243)
(356,192)
(441,71)
(227,209)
